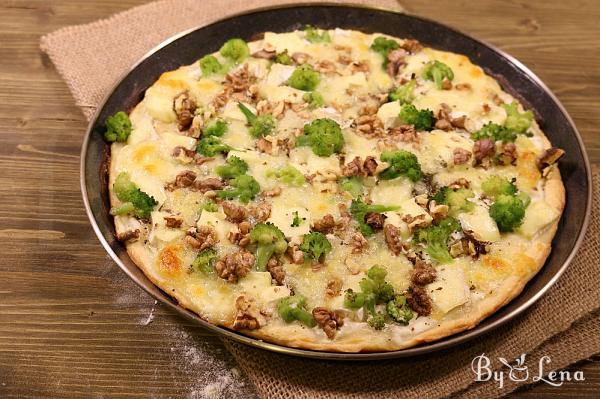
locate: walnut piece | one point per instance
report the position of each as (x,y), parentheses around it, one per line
(235,265)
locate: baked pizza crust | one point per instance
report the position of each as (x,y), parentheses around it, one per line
(365,339)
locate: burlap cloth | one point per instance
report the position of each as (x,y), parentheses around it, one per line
(564,324)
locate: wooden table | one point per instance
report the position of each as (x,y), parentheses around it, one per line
(71,323)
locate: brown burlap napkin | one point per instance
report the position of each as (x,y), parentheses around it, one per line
(563,325)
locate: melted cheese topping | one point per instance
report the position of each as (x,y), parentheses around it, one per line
(148,158)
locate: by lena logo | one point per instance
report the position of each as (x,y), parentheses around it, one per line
(518,371)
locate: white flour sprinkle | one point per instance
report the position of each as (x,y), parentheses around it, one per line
(150,316)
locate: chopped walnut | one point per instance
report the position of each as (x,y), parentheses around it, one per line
(368,123)
(360,66)
(247,316)
(508,154)
(334,287)
(418,300)
(234,213)
(324,225)
(129,235)
(370,166)
(173,222)
(375,220)
(202,238)
(358,243)
(183,154)
(184,108)
(438,211)
(264,145)
(240,235)
(326,67)
(483,148)
(328,321)
(395,61)
(276,270)
(412,46)
(550,157)
(208,184)
(353,168)
(300,58)
(463,86)
(185,178)
(393,238)
(235,265)
(443,124)
(460,183)
(423,273)
(265,54)
(446,84)
(272,193)
(295,254)
(486,108)
(260,211)
(404,133)
(459,122)
(416,222)
(461,156)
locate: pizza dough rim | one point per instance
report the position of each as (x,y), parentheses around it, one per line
(554,195)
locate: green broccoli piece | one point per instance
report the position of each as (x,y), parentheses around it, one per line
(383,46)
(324,136)
(515,120)
(494,132)
(315,35)
(456,199)
(354,300)
(211,66)
(304,78)
(235,50)
(135,201)
(436,238)
(376,283)
(359,210)
(315,246)
(245,188)
(437,71)
(352,185)
(205,261)
(314,99)
(260,126)
(377,321)
(404,93)
(297,220)
(402,163)
(235,167)
(495,185)
(508,211)
(210,206)
(118,127)
(210,146)
(399,310)
(269,240)
(218,128)
(288,175)
(283,58)
(420,119)
(294,308)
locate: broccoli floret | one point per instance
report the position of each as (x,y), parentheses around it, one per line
(211,146)
(235,167)
(353,299)
(324,136)
(508,211)
(383,46)
(359,211)
(494,132)
(294,308)
(204,261)
(260,126)
(315,246)
(210,206)
(315,35)
(496,185)
(352,185)
(304,78)
(297,220)
(436,238)
(269,240)
(283,58)
(420,119)
(211,66)
(288,175)
(376,284)
(135,201)
(456,199)
(218,128)
(515,120)
(403,93)
(377,322)
(244,187)
(399,310)
(235,50)
(118,127)
(314,99)
(402,163)
(437,71)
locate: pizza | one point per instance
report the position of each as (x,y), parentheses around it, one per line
(334,190)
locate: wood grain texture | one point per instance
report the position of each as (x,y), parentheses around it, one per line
(71,323)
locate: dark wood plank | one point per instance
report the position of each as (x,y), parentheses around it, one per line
(71,323)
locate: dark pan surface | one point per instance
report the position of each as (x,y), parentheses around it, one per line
(190,46)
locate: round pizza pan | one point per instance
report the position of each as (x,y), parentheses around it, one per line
(515,78)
